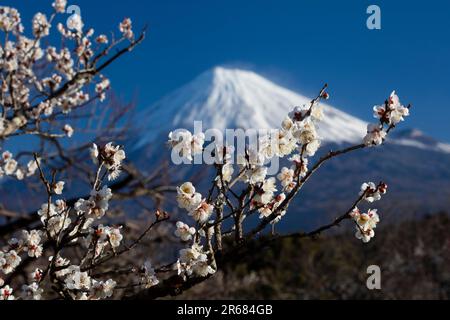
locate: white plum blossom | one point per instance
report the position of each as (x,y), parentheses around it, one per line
(36,275)
(194,261)
(75,23)
(76,279)
(9,261)
(114,236)
(227,174)
(41,27)
(10,166)
(60,5)
(184,232)
(54,218)
(365,223)
(372,192)
(32,292)
(68,130)
(286,177)
(97,204)
(6,293)
(32,242)
(392,111)
(187,198)
(111,157)
(58,187)
(255,176)
(202,213)
(126,28)
(102,289)
(375,135)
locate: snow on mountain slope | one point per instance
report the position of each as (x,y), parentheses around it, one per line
(229,98)
(225,98)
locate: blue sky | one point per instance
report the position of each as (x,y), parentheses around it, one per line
(300,44)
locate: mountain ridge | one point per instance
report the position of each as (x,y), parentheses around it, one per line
(232,98)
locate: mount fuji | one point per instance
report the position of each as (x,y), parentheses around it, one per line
(224,98)
(415,166)
(229,98)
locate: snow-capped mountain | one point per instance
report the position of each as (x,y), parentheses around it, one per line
(224,98)
(414,165)
(229,98)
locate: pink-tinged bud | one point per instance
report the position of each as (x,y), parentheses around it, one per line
(382,188)
(325,96)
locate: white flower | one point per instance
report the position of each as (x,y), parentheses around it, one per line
(36,275)
(75,23)
(125,28)
(306,133)
(202,213)
(184,232)
(111,156)
(114,236)
(298,114)
(102,39)
(94,152)
(98,203)
(312,147)
(10,166)
(187,198)
(32,166)
(58,187)
(77,280)
(102,289)
(201,268)
(375,135)
(9,261)
(32,242)
(19,174)
(255,176)
(398,112)
(317,113)
(194,261)
(364,235)
(60,5)
(41,27)
(366,223)
(227,174)
(6,293)
(287,124)
(392,112)
(68,130)
(32,291)
(371,192)
(286,176)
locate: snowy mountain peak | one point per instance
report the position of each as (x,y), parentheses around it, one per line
(234,98)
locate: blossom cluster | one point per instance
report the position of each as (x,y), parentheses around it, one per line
(390,113)
(60,223)
(10,167)
(366,222)
(298,140)
(194,260)
(111,156)
(27,96)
